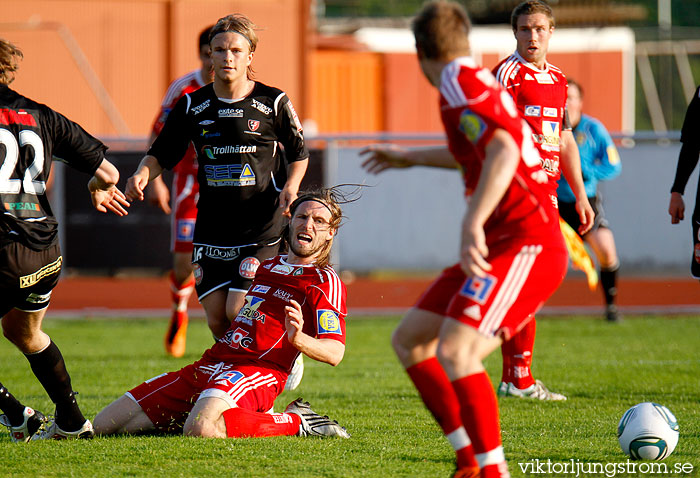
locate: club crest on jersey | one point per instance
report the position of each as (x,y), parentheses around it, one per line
(253,125)
(532,110)
(471,125)
(198,273)
(250,312)
(249,267)
(479,289)
(328,322)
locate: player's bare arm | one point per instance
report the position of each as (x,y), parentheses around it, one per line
(104,192)
(158,194)
(676,208)
(295,174)
(148,169)
(323,350)
(380,157)
(502,156)
(571,168)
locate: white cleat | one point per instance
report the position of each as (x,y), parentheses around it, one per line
(313,424)
(536,391)
(33,421)
(51,431)
(297,374)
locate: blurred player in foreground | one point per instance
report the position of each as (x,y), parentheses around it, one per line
(599,162)
(30,256)
(687,160)
(296,305)
(539,91)
(512,254)
(245,186)
(184,201)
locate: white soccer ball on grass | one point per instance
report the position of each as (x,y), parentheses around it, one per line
(648,431)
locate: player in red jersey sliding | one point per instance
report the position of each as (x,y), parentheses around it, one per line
(512,254)
(296,305)
(185,193)
(539,90)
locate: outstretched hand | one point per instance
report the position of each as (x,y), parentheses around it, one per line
(381,157)
(110,199)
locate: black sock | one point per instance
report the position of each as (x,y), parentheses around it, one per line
(11,406)
(608,280)
(50,369)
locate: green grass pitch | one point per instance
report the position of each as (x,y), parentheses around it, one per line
(603,368)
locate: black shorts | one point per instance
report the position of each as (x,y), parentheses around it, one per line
(234,268)
(27,276)
(567,211)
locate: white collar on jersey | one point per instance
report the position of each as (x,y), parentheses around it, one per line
(530,65)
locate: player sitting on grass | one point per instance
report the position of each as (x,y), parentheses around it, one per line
(295,305)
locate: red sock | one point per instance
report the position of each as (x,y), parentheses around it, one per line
(180,293)
(517,357)
(479,411)
(439,397)
(241,423)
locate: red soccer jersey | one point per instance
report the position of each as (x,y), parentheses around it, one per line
(540,96)
(474,106)
(258,332)
(188,83)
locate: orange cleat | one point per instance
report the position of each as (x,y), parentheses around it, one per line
(467,472)
(176,337)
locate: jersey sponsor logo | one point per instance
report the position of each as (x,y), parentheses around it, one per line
(262,289)
(282,418)
(264,109)
(234,149)
(544,79)
(550,166)
(8,117)
(249,312)
(253,125)
(185,230)
(231,377)
(229,175)
(208,134)
(283,294)
(297,123)
(471,125)
(328,322)
(198,273)
(212,252)
(283,269)
(237,338)
(479,289)
(38,298)
(201,107)
(33,278)
(532,110)
(550,112)
(248,268)
(231,113)
(549,139)
(206,122)
(22,206)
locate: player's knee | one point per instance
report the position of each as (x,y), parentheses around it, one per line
(201,427)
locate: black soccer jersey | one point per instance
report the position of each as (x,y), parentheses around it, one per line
(30,135)
(241,167)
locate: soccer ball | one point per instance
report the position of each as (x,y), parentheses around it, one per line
(648,431)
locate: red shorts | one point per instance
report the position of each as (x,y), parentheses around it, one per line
(184,194)
(522,279)
(168,398)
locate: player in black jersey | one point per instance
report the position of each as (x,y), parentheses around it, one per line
(238,127)
(30,256)
(687,160)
